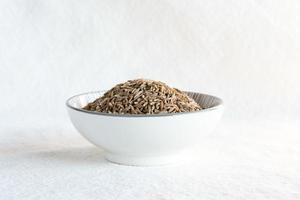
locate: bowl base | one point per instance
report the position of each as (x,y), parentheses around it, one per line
(142,160)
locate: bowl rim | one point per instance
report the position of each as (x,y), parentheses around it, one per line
(221,103)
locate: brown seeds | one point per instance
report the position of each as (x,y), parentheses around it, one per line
(143,96)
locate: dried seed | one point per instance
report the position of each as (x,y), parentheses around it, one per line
(143,96)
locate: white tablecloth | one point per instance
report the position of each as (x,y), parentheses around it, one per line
(240,160)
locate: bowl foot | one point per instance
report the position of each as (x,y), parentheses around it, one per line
(143,160)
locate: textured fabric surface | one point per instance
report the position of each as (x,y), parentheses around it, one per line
(240,160)
(246,52)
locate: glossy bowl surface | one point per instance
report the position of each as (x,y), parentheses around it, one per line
(145,139)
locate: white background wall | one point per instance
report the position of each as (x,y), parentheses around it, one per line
(247,52)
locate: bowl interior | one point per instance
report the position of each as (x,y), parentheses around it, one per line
(77,102)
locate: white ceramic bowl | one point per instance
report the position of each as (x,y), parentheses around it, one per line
(145,139)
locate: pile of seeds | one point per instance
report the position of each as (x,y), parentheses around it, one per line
(143,96)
